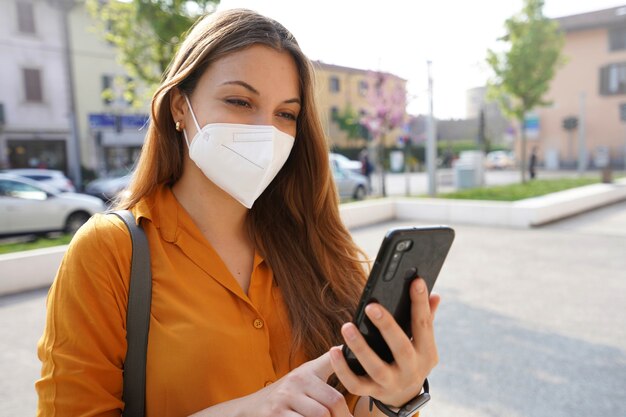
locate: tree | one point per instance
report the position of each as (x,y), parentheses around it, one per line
(386,99)
(522,74)
(146,33)
(348,121)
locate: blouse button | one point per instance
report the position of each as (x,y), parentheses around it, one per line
(258,323)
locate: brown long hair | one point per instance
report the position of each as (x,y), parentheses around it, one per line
(295,222)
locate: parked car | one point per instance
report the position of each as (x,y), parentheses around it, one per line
(499,160)
(30,207)
(108,188)
(52,177)
(347,163)
(349,184)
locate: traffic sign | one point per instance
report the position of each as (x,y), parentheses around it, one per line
(622,112)
(570,123)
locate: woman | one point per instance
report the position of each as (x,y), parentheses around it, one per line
(254,276)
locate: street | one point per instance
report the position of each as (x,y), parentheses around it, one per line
(532,323)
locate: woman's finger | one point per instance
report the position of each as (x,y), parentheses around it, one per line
(434,301)
(307,406)
(421,317)
(357,385)
(398,342)
(377,369)
(324,398)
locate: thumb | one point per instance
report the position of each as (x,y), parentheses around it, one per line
(321,366)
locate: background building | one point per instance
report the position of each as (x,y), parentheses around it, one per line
(34,123)
(590,86)
(497,128)
(110,129)
(339,88)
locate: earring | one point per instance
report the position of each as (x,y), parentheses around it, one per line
(178,127)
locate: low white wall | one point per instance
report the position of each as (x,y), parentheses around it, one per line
(362,213)
(555,206)
(520,214)
(22,271)
(488,213)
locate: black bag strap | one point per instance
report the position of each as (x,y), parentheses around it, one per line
(137,319)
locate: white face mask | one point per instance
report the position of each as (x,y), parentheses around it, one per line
(240,159)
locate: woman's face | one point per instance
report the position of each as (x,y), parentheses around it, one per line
(256,86)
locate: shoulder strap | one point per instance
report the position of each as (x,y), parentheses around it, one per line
(137,319)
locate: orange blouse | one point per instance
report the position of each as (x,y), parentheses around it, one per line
(209,342)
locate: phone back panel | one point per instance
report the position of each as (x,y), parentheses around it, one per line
(391,276)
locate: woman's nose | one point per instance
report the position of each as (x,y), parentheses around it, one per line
(264,118)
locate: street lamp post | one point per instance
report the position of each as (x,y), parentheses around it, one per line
(582,147)
(64,7)
(431,148)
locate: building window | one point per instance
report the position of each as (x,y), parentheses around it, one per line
(613,79)
(617,38)
(32,85)
(117,90)
(334,113)
(107,89)
(363,87)
(25,17)
(334,85)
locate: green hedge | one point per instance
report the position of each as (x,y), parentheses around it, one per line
(514,192)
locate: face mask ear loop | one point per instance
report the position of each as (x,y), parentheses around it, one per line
(193,116)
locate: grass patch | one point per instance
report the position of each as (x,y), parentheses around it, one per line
(38,243)
(513,192)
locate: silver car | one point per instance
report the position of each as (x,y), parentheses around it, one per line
(108,188)
(349,184)
(29,207)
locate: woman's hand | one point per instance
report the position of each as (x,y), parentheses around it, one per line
(302,392)
(396,383)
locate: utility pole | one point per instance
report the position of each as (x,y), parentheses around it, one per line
(622,113)
(64,7)
(431,143)
(582,148)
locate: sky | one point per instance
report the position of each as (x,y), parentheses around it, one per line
(400,36)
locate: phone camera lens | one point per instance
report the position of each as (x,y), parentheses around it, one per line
(403,246)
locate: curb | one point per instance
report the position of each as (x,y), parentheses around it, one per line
(22,271)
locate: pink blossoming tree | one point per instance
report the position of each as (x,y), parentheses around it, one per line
(386,97)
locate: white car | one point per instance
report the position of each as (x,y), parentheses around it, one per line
(499,160)
(349,185)
(52,177)
(29,207)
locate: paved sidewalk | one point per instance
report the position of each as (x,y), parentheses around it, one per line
(532,323)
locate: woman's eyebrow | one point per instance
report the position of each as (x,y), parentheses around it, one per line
(255,91)
(244,85)
(293,100)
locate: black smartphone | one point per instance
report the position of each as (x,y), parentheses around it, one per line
(405,254)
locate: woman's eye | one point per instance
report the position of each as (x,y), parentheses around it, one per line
(288,116)
(237,102)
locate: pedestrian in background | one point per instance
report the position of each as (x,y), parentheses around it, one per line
(532,166)
(366,167)
(255,278)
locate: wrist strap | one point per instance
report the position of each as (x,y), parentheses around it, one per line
(407,410)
